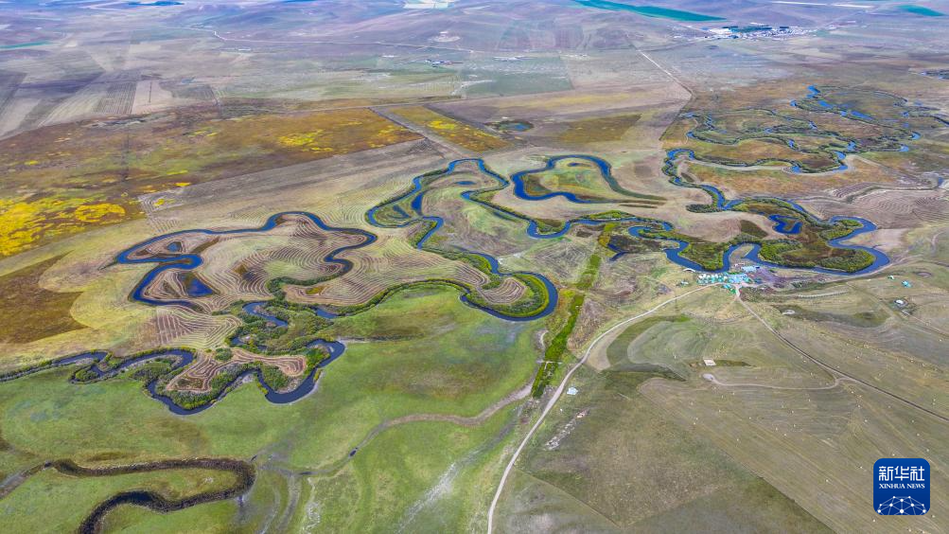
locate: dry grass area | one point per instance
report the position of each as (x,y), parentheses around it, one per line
(796,440)
(31,312)
(62,179)
(238,265)
(750,151)
(598,129)
(780,182)
(180,326)
(599,101)
(457,132)
(891,209)
(814,435)
(612,461)
(197,377)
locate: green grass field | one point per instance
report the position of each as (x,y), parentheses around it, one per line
(762,408)
(45,417)
(609,460)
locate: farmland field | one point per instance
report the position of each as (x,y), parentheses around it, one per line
(473,266)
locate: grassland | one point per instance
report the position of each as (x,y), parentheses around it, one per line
(452,130)
(40,497)
(791,411)
(84,175)
(217,116)
(617,350)
(585,180)
(469,217)
(598,129)
(433,373)
(611,461)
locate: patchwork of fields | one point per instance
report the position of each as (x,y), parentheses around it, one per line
(470,266)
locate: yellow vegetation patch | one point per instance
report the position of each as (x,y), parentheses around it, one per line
(300,139)
(122,161)
(23,223)
(334,132)
(442,125)
(307,140)
(95,213)
(20,225)
(451,130)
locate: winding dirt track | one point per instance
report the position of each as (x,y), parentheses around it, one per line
(711,378)
(839,376)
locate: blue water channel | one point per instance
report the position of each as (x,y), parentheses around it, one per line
(784,224)
(437,223)
(604,168)
(173,258)
(183,358)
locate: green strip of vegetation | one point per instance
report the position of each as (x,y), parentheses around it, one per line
(554,353)
(590,272)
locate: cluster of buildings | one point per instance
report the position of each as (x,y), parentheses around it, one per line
(755,32)
(901,303)
(428,4)
(729,280)
(906,283)
(744,275)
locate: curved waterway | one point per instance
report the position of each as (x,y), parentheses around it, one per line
(95,357)
(335,349)
(787,225)
(603,166)
(173,259)
(783,224)
(183,358)
(438,222)
(244,472)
